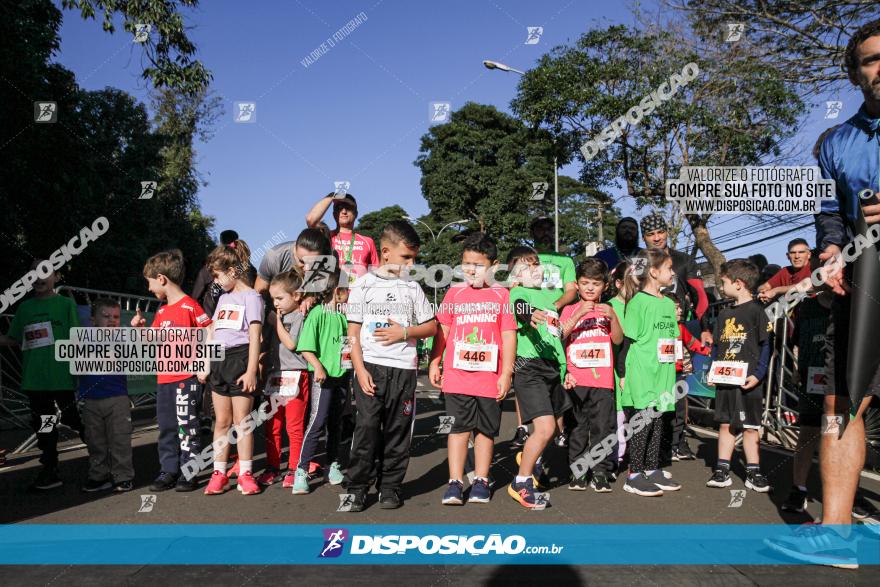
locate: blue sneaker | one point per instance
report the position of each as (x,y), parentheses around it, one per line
(813,543)
(454,494)
(480,492)
(523,492)
(300,482)
(334,476)
(537,470)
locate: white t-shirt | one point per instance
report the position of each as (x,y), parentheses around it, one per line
(372,300)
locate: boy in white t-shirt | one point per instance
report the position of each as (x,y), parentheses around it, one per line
(386,315)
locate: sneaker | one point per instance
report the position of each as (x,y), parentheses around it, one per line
(334,475)
(233,470)
(813,543)
(247,484)
(641,485)
(720,478)
(757,481)
(862,508)
(662,481)
(600,483)
(390,500)
(300,482)
(164,482)
(520,437)
(454,494)
(357,504)
(685,453)
(288,480)
(47,478)
(562,440)
(183,484)
(268,477)
(675,458)
(92,486)
(537,470)
(218,484)
(578,483)
(523,492)
(796,501)
(123,486)
(480,492)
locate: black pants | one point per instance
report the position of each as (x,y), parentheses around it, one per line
(383,428)
(43,404)
(644,447)
(596,418)
(673,430)
(327,404)
(178,407)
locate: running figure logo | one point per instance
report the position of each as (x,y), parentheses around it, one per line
(245,112)
(737,496)
(334,540)
(341,188)
(317,273)
(734,32)
(440,111)
(147,503)
(47,423)
(539,190)
(534,35)
(833,108)
(142,32)
(45,112)
(148,190)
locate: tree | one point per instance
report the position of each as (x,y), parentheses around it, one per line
(372,223)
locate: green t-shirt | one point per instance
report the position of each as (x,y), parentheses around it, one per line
(647,319)
(324,333)
(558,271)
(537,343)
(37,324)
(617,305)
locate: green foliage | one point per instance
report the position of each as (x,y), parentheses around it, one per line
(372,223)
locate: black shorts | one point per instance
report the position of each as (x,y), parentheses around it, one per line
(224,373)
(472,413)
(810,406)
(739,408)
(539,391)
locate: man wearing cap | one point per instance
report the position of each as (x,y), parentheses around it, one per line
(626,243)
(356,251)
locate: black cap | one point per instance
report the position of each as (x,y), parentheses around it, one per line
(228,236)
(347,199)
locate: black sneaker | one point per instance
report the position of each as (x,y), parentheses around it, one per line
(685,453)
(183,484)
(640,485)
(357,504)
(123,486)
(600,483)
(578,483)
(662,481)
(862,508)
(390,500)
(164,482)
(796,501)
(92,486)
(47,478)
(520,437)
(756,481)
(720,478)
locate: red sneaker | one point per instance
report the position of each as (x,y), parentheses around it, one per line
(268,477)
(314,468)
(287,481)
(247,485)
(218,484)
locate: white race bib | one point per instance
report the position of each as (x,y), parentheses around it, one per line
(728,372)
(369,329)
(590,354)
(284,383)
(666,350)
(817,380)
(679,350)
(345,351)
(37,335)
(229,316)
(552,322)
(476,357)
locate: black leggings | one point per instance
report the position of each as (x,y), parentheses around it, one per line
(644,447)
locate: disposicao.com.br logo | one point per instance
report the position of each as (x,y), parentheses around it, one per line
(476,545)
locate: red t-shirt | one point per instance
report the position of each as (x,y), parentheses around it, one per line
(186,313)
(588,348)
(476,317)
(785,276)
(361,254)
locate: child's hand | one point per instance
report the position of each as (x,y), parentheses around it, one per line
(706,338)
(391,334)
(435,376)
(202,377)
(248,382)
(538,317)
(751,381)
(585,308)
(320,375)
(622,380)
(365,380)
(569,382)
(138,320)
(306,305)
(504,380)
(604,309)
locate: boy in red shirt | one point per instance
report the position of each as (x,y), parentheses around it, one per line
(588,331)
(178,395)
(478,331)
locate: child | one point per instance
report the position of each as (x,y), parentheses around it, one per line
(178,395)
(106,414)
(385,316)
(238,322)
(478,333)
(37,324)
(648,355)
(739,363)
(589,329)
(286,373)
(540,367)
(325,345)
(622,292)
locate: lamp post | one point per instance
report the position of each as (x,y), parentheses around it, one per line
(434,238)
(489,64)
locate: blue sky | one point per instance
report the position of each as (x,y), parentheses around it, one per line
(357,113)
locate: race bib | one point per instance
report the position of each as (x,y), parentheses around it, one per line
(37,335)
(476,357)
(817,380)
(369,329)
(666,350)
(728,372)
(345,361)
(590,354)
(552,322)
(230,316)
(679,350)
(284,383)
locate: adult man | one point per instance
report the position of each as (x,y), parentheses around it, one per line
(626,243)
(850,155)
(356,251)
(799,255)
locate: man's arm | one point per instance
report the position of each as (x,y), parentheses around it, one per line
(318,210)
